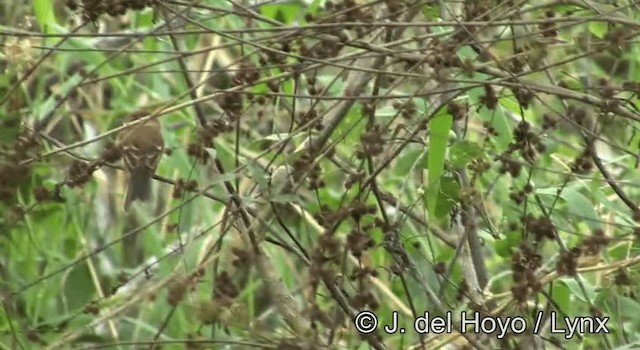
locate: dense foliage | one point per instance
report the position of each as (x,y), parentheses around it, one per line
(322,158)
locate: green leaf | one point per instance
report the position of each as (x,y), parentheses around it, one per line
(577,204)
(438,139)
(258,174)
(314,7)
(408,159)
(504,246)
(448,196)
(561,295)
(589,293)
(511,104)
(430,13)
(284,13)
(580,206)
(43,11)
(212,152)
(631,308)
(78,287)
(501,124)
(598,29)
(462,152)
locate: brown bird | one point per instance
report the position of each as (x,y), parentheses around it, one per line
(142,147)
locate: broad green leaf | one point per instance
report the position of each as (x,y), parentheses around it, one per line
(212,152)
(78,288)
(258,174)
(43,11)
(462,152)
(501,123)
(561,294)
(503,247)
(284,13)
(408,159)
(598,29)
(314,7)
(430,13)
(447,197)
(577,204)
(510,104)
(589,291)
(438,138)
(631,308)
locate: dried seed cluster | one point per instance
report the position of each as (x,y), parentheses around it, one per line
(204,140)
(549,29)
(567,263)
(93,9)
(541,227)
(592,245)
(524,264)
(372,143)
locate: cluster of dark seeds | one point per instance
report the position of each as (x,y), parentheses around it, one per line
(523,95)
(353,179)
(524,264)
(358,241)
(519,196)
(622,277)
(584,162)
(478,10)
(306,168)
(12,173)
(567,264)
(489,99)
(508,165)
(225,287)
(247,73)
(458,111)
(372,143)
(473,11)
(80,173)
(443,55)
(592,245)
(325,254)
(231,102)
(180,285)
(206,135)
(322,50)
(608,93)
(314,179)
(541,227)
(617,39)
(345,11)
(527,142)
(181,186)
(310,116)
(407,110)
(93,9)
(549,29)
(578,114)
